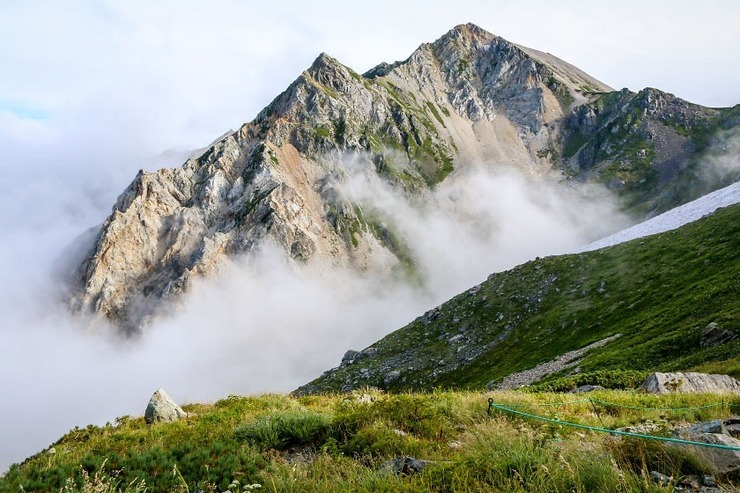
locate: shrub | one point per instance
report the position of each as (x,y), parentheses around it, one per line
(285,429)
(642,456)
(609,379)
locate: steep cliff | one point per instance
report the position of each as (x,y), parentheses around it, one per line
(468,98)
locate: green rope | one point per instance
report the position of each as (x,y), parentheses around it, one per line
(613,432)
(612,404)
(545,404)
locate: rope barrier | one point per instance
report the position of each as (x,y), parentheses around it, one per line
(639,408)
(546,404)
(491,404)
(613,404)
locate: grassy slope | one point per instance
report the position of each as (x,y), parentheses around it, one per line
(336,443)
(659,292)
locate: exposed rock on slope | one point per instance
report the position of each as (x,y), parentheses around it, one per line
(563,362)
(665,383)
(161,408)
(469,97)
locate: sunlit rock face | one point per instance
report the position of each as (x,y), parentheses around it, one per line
(469,98)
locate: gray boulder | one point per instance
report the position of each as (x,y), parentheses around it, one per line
(586,388)
(689,382)
(404,466)
(724,461)
(732,426)
(162,408)
(349,357)
(391,377)
(714,335)
(660,479)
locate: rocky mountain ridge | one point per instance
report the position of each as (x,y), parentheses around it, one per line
(468,98)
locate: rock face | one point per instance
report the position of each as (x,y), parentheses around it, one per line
(714,335)
(162,408)
(725,461)
(469,97)
(665,383)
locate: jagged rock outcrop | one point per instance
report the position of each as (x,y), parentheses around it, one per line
(161,408)
(469,97)
(665,383)
(714,335)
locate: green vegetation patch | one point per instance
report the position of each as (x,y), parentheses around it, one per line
(285,429)
(339,443)
(433,108)
(658,292)
(609,379)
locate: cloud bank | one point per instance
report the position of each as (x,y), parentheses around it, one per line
(265,324)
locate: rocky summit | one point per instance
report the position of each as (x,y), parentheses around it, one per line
(468,98)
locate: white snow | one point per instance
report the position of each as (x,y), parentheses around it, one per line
(672,219)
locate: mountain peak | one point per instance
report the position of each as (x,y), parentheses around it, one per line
(470,29)
(328,71)
(322,61)
(467,35)
(468,97)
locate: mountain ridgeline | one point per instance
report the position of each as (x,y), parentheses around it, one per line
(660,303)
(469,98)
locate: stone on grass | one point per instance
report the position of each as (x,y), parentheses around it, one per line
(586,388)
(660,479)
(714,335)
(162,408)
(403,466)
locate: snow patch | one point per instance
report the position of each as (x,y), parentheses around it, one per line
(673,218)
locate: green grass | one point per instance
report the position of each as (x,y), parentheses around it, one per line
(573,144)
(284,429)
(658,292)
(436,114)
(610,379)
(338,443)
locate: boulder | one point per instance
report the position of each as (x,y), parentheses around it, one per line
(724,461)
(391,377)
(586,388)
(350,356)
(161,407)
(732,426)
(403,466)
(714,335)
(714,426)
(689,382)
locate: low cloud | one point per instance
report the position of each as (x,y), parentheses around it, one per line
(264,324)
(721,163)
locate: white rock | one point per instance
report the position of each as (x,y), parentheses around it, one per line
(689,382)
(162,408)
